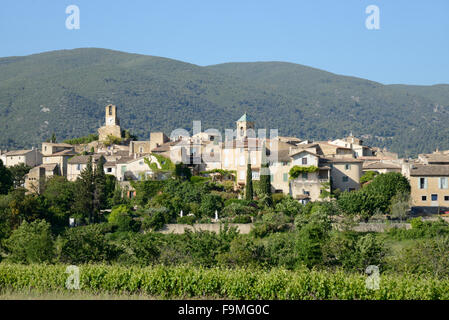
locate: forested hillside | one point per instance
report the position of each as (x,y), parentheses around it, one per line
(65,92)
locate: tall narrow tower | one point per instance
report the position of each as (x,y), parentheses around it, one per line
(111,115)
(112,124)
(244,124)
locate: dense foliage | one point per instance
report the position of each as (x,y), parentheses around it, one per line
(194,282)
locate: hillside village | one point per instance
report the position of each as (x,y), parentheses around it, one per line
(297,167)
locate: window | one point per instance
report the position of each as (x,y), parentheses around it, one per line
(285,177)
(141,150)
(434,197)
(446,198)
(109,169)
(424,198)
(304,160)
(305,176)
(422,183)
(78,167)
(345,179)
(443,183)
(347,166)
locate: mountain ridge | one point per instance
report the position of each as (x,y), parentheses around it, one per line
(65,91)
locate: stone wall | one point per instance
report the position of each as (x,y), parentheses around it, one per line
(244,228)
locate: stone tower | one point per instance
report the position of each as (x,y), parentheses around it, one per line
(111,115)
(112,124)
(245,127)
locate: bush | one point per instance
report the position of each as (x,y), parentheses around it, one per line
(424,257)
(86,244)
(122,219)
(246,218)
(31,243)
(186,220)
(271,222)
(289,206)
(156,218)
(139,249)
(236,208)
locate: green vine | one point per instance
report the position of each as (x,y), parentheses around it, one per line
(165,163)
(297,170)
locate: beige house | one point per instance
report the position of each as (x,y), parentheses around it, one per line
(61,159)
(157,139)
(36,178)
(31,158)
(77,164)
(49,148)
(135,168)
(429,186)
(381,167)
(345,173)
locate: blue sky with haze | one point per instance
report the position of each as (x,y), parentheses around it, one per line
(411,47)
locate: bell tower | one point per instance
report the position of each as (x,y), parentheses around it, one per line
(244,124)
(112,124)
(111,115)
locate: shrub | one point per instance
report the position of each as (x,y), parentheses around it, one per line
(186,220)
(245,218)
(31,243)
(271,222)
(156,218)
(86,244)
(121,218)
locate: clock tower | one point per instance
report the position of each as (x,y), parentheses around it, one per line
(112,124)
(111,115)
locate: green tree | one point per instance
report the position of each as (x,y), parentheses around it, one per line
(59,195)
(18,172)
(86,244)
(6,179)
(84,195)
(100,192)
(249,182)
(368,176)
(31,243)
(209,204)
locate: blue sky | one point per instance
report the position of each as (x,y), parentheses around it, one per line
(412,45)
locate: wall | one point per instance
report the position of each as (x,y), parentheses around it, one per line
(213,227)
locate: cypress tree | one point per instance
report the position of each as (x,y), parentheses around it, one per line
(249,182)
(265,177)
(99,196)
(84,197)
(6,180)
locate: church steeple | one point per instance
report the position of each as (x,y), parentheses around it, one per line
(244,124)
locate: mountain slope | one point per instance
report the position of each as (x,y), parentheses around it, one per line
(65,92)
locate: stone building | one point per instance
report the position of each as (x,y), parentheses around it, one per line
(30,157)
(112,124)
